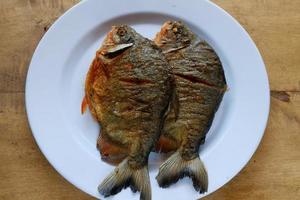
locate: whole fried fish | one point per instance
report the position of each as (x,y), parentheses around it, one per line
(128,90)
(200,85)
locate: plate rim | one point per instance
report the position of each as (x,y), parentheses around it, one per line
(267,102)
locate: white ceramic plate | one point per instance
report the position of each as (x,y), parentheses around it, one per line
(55,88)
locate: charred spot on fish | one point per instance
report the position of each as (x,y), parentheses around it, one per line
(194,79)
(122,185)
(116,189)
(138,100)
(136,81)
(177,176)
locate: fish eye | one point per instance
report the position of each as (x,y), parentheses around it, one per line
(180,30)
(121,32)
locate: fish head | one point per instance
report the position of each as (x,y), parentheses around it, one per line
(174,34)
(122,34)
(117,41)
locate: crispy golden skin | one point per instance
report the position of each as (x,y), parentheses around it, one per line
(200,85)
(128,89)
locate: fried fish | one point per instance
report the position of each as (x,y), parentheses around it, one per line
(128,90)
(200,85)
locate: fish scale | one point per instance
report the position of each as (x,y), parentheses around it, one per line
(200,85)
(128,89)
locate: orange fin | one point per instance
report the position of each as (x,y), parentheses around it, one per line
(83,105)
(110,152)
(165,145)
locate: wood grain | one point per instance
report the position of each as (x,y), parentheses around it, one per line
(273,173)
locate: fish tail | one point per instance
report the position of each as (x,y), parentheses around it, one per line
(175,168)
(124,176)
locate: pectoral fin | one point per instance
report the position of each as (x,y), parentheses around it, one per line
(173,104)
(83,105)
(116,50)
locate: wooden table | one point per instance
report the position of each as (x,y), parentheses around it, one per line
(273,172)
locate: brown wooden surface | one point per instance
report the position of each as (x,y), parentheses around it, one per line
(274,171)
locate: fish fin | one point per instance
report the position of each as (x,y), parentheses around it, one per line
(168,110)
(119,47)
(116,50)
(175,49)
(83,105)
(124,176)
(173,105)
(165,145)
(175,168)
(111,152)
